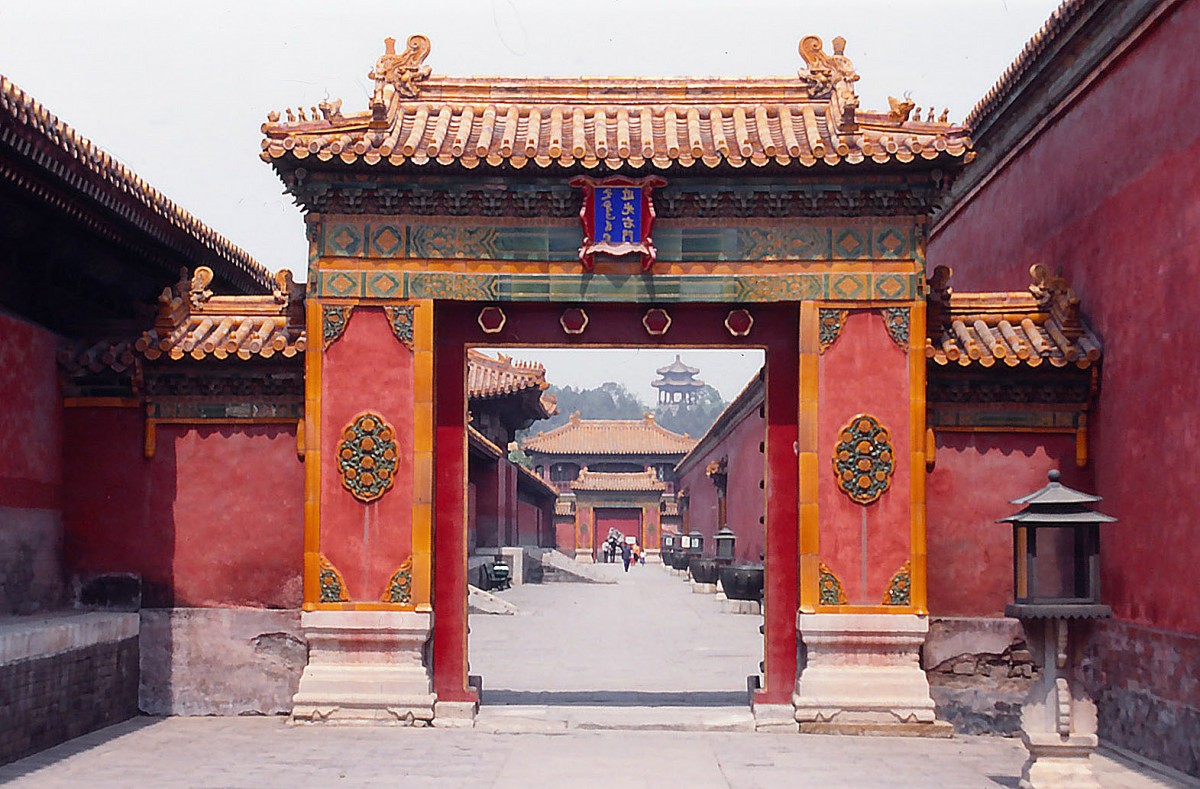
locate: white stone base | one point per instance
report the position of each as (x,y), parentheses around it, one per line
(751,607)
(863,669)
(584,556)
(1059,762)
(454,714)
(698,588)
(365,667)
(774,717)
(515,558)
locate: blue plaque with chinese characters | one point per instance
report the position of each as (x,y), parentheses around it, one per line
(617,216)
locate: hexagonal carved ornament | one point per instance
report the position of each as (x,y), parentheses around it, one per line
(367,457)
(573,320)
(739,322)
(864,459)
(492,320)
(657,322)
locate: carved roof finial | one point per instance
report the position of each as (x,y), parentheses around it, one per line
(198,291)
(404,72)
(830,77)
(1054,295)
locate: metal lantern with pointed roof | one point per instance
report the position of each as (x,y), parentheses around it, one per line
(1056,554)
(725,540)
(695,543)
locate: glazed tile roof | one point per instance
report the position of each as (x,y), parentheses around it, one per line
(617,481)
(192,322)
(609,437)
(642,124)
(37,136)
(1056,26)
(502,376)
(564,508)
(1031,328)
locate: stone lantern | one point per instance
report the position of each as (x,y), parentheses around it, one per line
(725,541)
(1056,585)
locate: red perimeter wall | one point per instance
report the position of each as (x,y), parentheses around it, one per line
(976,475)
(215,518)
(745,500)
(30,468)
(1109,193)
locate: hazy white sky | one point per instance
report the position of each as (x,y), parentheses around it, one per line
(178,89)
(728,371)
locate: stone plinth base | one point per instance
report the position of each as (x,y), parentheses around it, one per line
(653,557)
(751,607)
(774,717)
(454,714)
(698,588)
(365,667)
(1059,762)
(937,729)
(584,556)
(863,670)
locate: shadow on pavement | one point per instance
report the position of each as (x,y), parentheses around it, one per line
(614,698)
(57,753)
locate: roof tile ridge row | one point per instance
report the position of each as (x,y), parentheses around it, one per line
(31,113)
(1054,27)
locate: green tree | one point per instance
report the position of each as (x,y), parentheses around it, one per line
(610,400)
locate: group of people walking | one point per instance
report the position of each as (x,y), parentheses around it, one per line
(628,549)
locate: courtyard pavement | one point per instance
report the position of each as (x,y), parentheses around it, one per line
(637,684)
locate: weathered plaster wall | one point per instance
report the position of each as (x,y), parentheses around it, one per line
(745,497)
(30,469)
(976,475)
(1107,192)
(864,372)
(214,518)
(220,661)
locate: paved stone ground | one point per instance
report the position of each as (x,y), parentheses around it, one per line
(643,653)
(576,687)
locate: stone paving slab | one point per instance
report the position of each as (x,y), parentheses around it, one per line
(250,753)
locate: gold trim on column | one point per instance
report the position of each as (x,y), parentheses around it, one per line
(919,449)
(808,452)
(313,356)
(423,463)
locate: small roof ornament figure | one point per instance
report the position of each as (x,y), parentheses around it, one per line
(1056,554)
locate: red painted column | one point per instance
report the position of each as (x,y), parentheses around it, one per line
(450,508)
(781,591)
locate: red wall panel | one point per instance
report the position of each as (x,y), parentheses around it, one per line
(745,498)
(367,369)
(977,474)
(864,371)
(30,418)
(214,518)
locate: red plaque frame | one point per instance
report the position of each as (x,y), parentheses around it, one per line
(645,247)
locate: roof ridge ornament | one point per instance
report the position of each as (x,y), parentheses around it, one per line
(1054,295)
(830,77)
(404,72)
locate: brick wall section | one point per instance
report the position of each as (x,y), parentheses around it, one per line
(1147,691)
(48,700)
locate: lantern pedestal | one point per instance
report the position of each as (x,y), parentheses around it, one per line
(1058,718)
(863,675)
(365,667)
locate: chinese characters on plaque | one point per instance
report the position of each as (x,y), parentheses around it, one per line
(617,216)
